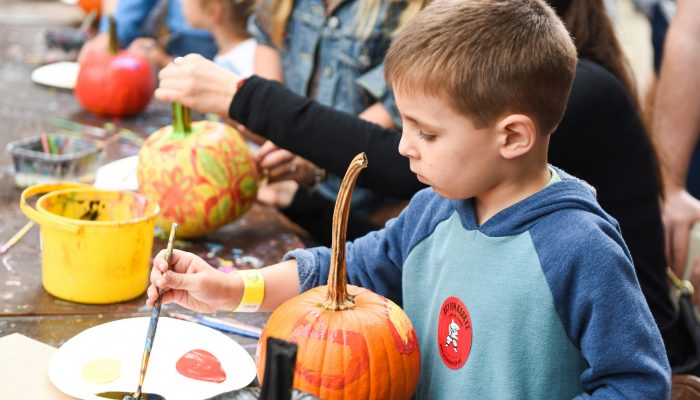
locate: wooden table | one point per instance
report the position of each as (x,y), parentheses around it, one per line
(262,236)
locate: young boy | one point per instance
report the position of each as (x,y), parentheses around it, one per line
(517,283)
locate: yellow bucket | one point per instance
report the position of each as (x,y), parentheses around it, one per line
(95,244)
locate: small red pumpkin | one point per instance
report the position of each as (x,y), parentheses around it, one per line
(353,343)
(114,83)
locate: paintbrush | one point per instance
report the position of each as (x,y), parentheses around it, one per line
(155,313)
(5,247)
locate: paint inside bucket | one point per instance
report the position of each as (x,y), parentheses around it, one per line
(96,244)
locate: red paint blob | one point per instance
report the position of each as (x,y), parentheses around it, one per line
(201,365)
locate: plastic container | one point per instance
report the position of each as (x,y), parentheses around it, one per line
(76,160)
(96,244)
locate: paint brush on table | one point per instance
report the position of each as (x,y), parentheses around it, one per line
(222,324)
(5,247)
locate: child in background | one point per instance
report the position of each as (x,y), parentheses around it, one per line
(518,284)
(238,50)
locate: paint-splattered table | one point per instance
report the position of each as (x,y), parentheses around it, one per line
(262,236)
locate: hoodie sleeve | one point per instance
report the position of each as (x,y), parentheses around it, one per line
(374,261)
(602,309)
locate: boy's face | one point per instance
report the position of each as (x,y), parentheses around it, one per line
(445,149)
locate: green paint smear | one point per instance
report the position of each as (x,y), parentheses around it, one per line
(212,168)
(220,210)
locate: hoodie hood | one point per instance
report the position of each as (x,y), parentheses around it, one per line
(570,193)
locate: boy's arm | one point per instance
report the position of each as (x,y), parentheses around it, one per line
(374,261)
(605,315)
(194,284)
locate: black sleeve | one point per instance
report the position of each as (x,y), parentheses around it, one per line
(324,136)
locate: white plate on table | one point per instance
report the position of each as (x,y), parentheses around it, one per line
(124,340)
(118,175)
(62,74)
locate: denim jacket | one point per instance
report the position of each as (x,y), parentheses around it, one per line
(350,72)
(133,16)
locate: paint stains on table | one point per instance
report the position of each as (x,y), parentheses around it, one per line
(102,370)
(201,365)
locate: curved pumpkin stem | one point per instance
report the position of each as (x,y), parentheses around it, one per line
(113,42)
(338,298)
(182,121)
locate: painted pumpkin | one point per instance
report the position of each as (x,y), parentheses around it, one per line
(114,83)
(89,5)
(201,174)
(353,343)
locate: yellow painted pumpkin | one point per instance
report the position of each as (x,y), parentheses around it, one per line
(201,174)
(353,343)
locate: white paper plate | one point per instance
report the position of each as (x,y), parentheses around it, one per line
(124,340)
(62,74)
(118,175)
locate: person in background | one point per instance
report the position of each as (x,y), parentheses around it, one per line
(676,129)
(331,51)
(154,28)
(549,302)
(238,51)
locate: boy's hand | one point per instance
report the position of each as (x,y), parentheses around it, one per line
(192,283)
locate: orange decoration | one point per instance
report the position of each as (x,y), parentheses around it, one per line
(89,5)
(353,343)
(201,174)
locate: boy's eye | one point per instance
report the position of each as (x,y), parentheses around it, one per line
(425,136)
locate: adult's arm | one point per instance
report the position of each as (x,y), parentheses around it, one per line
(324,136)
(129,15)
(676,128)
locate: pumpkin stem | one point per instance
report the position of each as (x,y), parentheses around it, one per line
(113,42)
(182,121)
(338,298)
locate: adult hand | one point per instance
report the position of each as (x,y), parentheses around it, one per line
(190,282)
(197,83)
(280,165)
(680,211)
(278,194)
(149,49)
(99,43)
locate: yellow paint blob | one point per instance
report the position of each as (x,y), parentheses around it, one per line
(102,370)
(400,320)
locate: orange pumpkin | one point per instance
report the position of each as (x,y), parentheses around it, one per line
(353,343)
(89,5)
(201,174)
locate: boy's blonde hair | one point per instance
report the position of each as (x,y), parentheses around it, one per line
(487,57)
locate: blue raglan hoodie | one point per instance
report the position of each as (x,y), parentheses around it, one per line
(539,302)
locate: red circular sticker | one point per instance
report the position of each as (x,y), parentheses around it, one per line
(454,337)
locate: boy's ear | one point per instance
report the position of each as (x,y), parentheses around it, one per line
(518,135)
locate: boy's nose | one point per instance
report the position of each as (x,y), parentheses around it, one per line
(406,149)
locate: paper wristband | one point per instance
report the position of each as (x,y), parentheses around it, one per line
(253,291)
